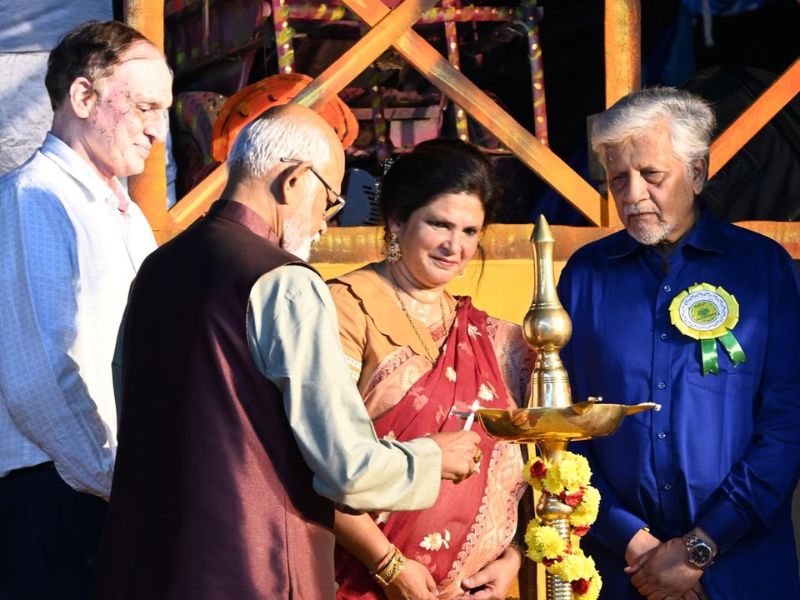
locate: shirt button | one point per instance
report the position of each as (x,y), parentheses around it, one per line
(661,435)
(667,288)
(661,385)
(663,336)
(667,487)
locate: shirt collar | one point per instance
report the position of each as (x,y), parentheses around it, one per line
(65,157)
(705,236)
(375,294)
(243,215)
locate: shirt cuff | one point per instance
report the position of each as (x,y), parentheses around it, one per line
(724,524)
(428,468)
(618,528)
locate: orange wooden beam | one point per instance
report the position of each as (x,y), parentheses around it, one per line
(758,114)
(623,53)
(192,206)
(483,109)
(372,44)
(622,67)
(449,80)
(149,188)
(623,60)
(322,89)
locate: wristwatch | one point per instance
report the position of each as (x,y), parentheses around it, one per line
(700,553)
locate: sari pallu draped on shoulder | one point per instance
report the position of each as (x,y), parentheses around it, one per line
(472,522)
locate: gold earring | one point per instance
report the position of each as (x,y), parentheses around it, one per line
(392,250)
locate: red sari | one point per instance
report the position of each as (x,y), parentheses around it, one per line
(471,523)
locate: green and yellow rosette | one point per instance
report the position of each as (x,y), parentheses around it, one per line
(708,313)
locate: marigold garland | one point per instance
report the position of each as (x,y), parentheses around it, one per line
(568,480)
(585,513)
(544,543)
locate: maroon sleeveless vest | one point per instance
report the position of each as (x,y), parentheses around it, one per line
(211,497)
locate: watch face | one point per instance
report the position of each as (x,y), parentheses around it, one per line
(700,554)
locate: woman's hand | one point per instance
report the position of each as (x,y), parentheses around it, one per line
(493,580)
(414,582)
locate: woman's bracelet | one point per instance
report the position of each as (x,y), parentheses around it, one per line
(384,560)
(518,547)
(386,572)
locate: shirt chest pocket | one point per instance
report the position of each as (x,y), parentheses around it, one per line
(729,383)
(735,381)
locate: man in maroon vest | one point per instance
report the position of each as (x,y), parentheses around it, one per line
(239,426)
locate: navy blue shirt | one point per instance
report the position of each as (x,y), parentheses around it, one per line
(724,451)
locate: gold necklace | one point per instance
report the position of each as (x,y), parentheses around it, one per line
(396,288)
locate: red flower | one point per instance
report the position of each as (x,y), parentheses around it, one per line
(580,586)
(581,530)
(538,469)
(571,499)
(549,562)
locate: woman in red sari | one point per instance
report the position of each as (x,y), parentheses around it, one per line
(418,354)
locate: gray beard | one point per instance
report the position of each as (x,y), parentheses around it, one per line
(651,236)
(295,242)
(301,250)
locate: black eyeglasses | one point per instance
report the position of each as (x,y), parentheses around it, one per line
(338,202)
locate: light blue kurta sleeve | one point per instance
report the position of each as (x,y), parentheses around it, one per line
(294,341)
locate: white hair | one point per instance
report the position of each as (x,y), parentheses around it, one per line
(689,117)
(275,135)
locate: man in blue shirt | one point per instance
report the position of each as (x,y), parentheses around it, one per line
(702,317)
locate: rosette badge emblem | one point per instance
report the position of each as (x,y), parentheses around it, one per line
(708,313)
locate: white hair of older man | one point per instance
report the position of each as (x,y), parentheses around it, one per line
(689,117)
(275,135)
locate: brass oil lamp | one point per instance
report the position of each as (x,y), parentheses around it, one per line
(550,419)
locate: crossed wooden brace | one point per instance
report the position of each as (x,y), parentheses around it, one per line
(393,28)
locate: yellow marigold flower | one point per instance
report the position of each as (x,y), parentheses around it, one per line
(569,474)
(586,512)
(574,566)
(568,569)
(533,550)
(574,470)
(550,542)
(552,480)
(543,541)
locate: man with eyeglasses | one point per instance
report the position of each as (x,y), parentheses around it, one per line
(71,241)
(240,425)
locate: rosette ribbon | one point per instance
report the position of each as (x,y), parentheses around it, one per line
(708,313)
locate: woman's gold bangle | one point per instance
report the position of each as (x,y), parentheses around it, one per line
(387,572)
(384,560)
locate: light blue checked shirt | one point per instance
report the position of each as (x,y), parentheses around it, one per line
(69,249)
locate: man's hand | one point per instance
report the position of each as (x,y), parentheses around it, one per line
(414,582)
(639,550)
(667,572)
(459,449)
(493,580)
(696,593)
